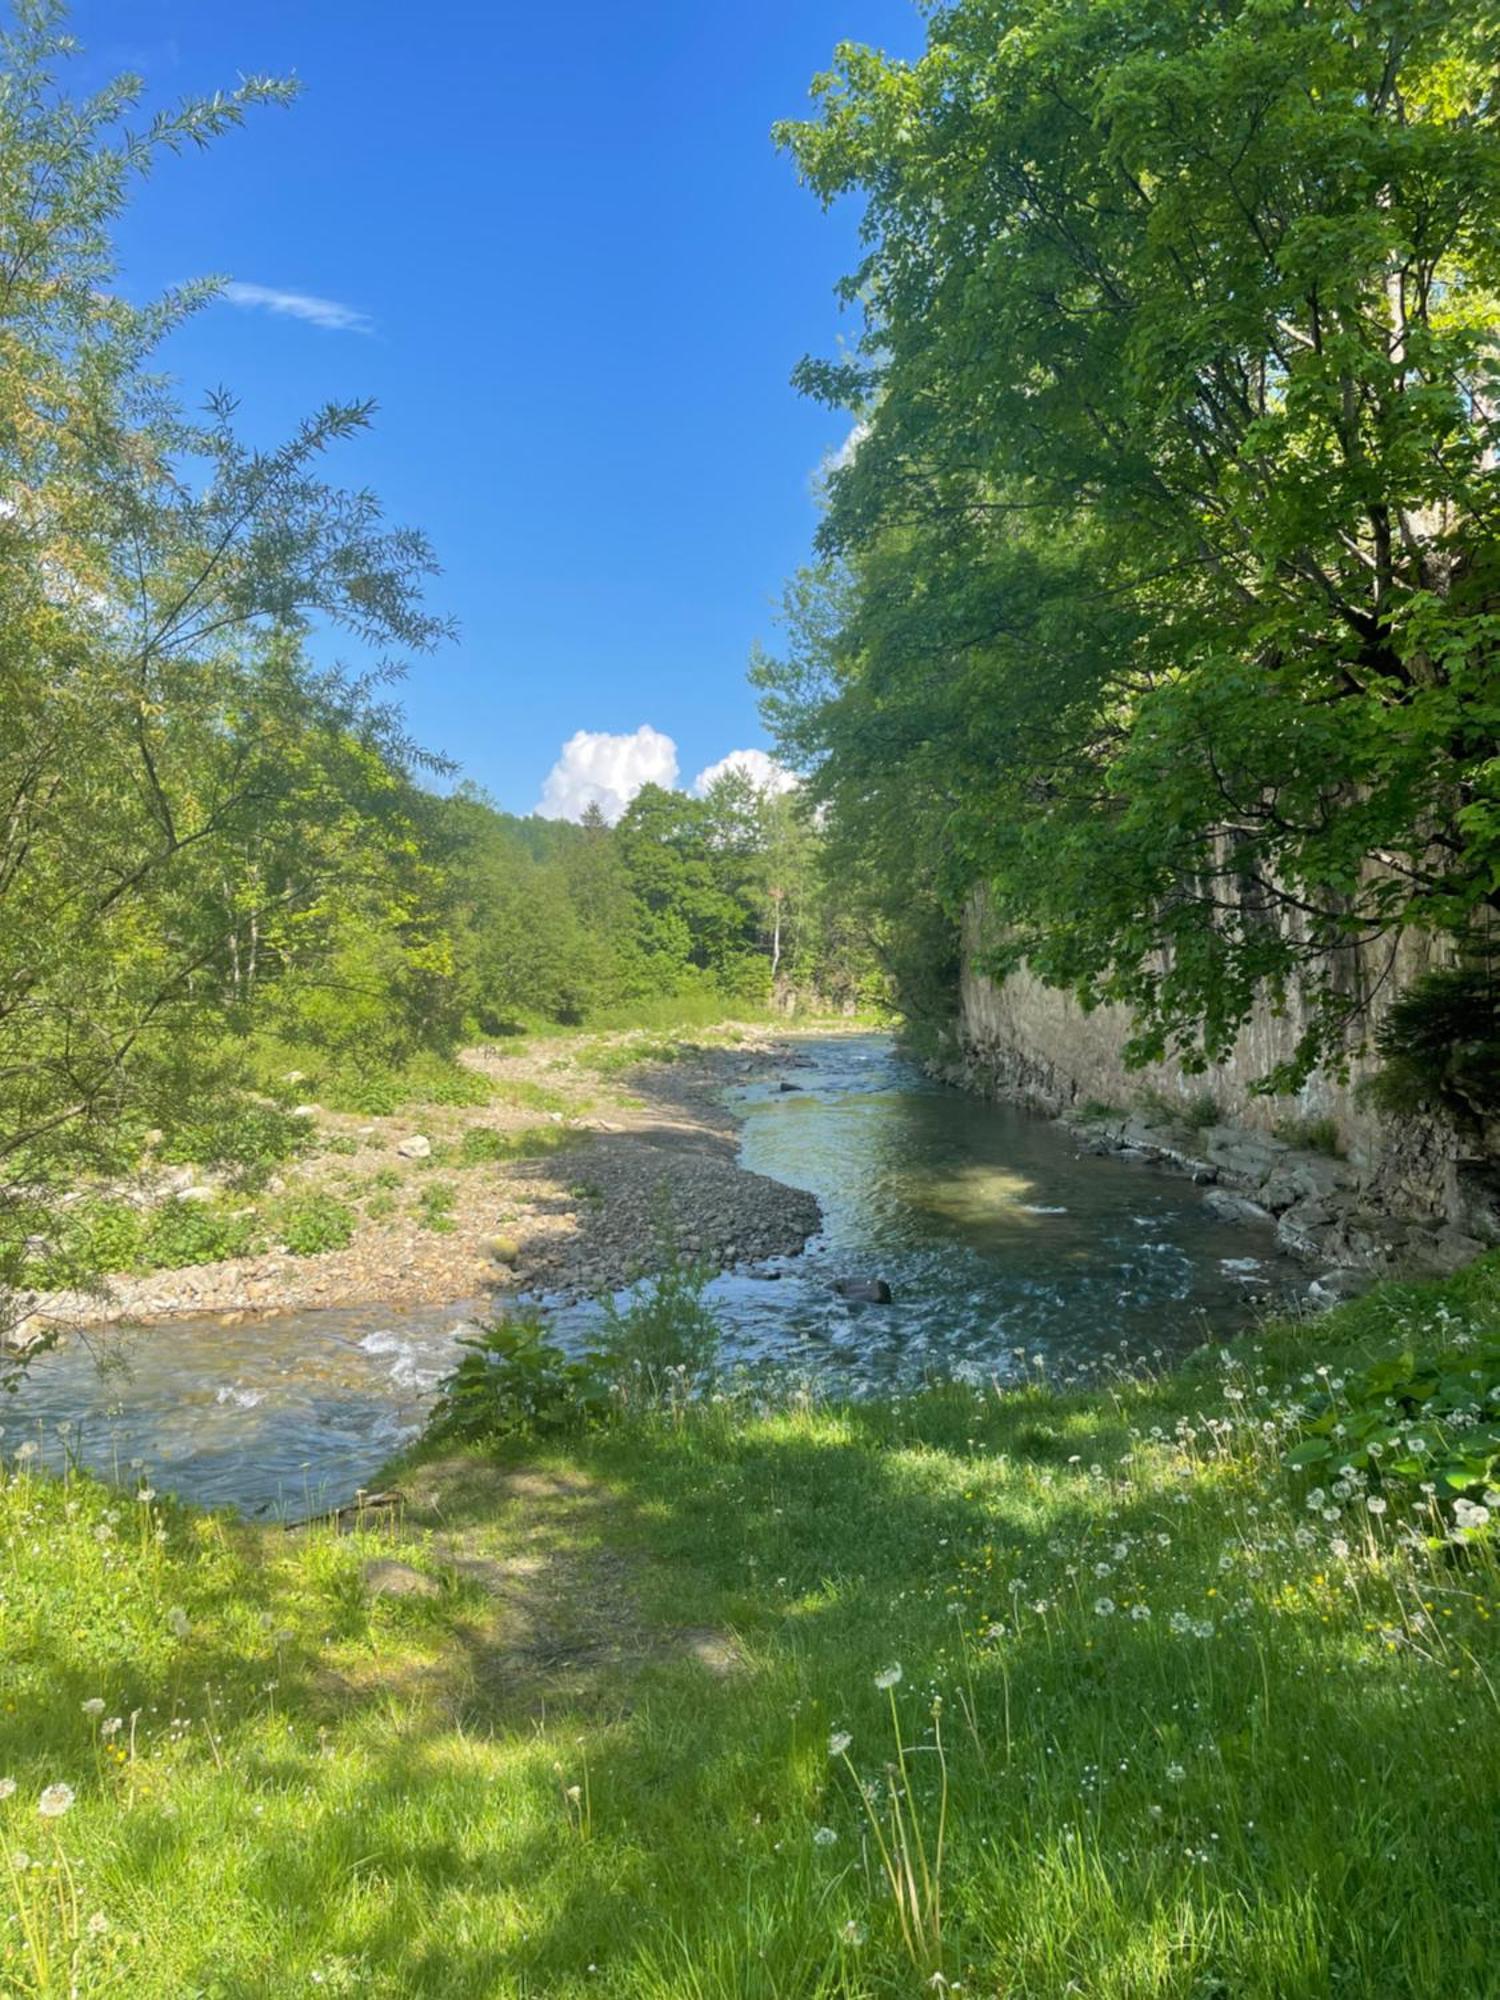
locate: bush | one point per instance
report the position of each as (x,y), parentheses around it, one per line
(309,1224)
(1440,1045)
(435,1207)
(246,1140)
(194,1232)
(482,1145)
(513,1382)
(1195,1113)
(665,1336)
(1413,1426)
(1311,1135)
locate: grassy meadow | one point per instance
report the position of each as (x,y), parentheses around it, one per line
(997,1691)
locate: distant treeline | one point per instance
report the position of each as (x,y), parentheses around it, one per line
(715,897)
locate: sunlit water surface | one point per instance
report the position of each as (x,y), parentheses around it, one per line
(1005,1250)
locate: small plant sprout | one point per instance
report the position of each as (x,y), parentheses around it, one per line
(578,1800)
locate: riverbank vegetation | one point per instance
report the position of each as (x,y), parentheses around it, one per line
(223,861)
(1016,1689)
(1156,584)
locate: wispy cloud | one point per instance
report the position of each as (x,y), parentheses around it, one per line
(840,456)
(327,313)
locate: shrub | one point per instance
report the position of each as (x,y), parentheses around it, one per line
(1440,1045)
(1196,1113)
(435,1207)
(664,1336)
(513,1382)
(1425,1426)
(1311,1135)
(482,1145)
(194,1232)
(246,1140)
(308,1224)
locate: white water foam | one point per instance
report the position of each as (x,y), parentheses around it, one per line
(242,1399)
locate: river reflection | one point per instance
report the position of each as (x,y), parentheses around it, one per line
(1004,1249)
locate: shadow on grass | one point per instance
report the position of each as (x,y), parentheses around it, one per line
(1321,1785)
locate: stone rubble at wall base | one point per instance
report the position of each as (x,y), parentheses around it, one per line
(1414,1207)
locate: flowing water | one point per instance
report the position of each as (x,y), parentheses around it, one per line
(1005,1251)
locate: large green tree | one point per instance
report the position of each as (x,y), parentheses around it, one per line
(192,812)
(1159,582)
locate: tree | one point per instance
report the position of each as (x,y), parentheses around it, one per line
(190,810)
(1160,592)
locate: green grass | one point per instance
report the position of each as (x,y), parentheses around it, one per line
(1195,1740)
(482,1144)
(1311,1135)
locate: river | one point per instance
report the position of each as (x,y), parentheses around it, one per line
(1006,1251)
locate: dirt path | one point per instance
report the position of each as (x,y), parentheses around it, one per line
(603,1140)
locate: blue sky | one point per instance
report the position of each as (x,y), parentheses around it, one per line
(580,276)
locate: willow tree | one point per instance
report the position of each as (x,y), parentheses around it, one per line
(1164,556)
(185,800)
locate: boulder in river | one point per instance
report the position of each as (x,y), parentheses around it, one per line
(864,1291)
(784,1085)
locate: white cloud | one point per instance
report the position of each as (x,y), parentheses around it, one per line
(762,770)
(596,768)
(327,313)
(843,455)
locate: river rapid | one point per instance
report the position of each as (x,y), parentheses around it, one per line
(1007,1253)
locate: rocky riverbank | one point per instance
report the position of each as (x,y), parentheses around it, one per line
(1345,1217)
(618,1141)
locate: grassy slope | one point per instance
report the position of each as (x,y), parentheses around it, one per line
(1295,1797)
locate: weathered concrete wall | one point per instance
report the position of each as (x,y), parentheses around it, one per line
(1024,1040)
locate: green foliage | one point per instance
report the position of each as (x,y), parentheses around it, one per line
(1156,591)
(1253,1759)
(1439,1045)
(1195,1113)
(481,1144)
(113,1238)
(308,1224)
(618,1058)
(435,1207)
(685,909)
(245,1138)
(196,1232)
(1311,1135)
(664,1337)
(512,1382)
(204,827)
(1411,1425)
